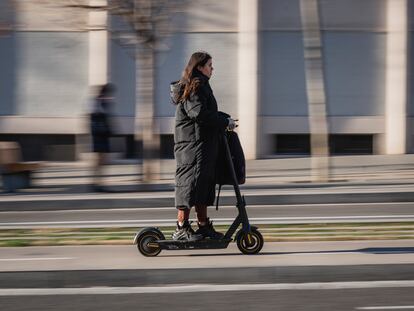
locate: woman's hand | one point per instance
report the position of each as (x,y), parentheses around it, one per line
(232,124)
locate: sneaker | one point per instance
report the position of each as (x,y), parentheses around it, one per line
(185,233)
(207,231)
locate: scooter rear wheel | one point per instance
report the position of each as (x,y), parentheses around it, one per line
(147,242)
(250,243)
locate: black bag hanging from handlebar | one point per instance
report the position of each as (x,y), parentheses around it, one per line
(223,170)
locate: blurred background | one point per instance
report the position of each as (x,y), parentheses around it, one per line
(54,52)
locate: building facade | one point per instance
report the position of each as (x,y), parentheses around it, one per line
(50,62)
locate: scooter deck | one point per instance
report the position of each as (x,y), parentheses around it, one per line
(202,244)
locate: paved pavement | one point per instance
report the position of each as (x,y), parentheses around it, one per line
(277,262)
(109,257)
(371,178)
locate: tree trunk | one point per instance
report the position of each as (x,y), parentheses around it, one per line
(145,127)
(144,75)
(315,90)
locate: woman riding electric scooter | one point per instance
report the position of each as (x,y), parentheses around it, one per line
(200,129)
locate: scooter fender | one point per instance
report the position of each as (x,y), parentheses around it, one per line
(142,231)
(241,231)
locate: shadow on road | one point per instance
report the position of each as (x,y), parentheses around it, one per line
(387,250)
(371,250)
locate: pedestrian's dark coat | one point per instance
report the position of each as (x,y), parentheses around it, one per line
(100,126)
(198,124)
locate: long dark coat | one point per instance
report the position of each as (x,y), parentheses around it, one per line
(100,125)
(198,124)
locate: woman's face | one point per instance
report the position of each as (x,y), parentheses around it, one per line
(207,69)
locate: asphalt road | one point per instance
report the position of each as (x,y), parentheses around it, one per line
(363,275)
(33,200)
(150,216)
(281,300)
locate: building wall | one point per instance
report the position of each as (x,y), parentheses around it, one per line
(353,54)
(44,76)
(52,73)
(410,80)
(8,74)
(349,15)
(354,65)
(354,49)
(7,59)
(122,74)
(410,8)
(282,85)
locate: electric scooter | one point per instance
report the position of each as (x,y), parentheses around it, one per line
(151,241)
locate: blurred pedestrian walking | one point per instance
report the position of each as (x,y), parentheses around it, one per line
(101,131)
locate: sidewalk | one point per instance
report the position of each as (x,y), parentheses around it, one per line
(74,266)
(288,180)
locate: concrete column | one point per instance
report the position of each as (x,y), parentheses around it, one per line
(396,78)
(248,76)
(98,44)
(98,62)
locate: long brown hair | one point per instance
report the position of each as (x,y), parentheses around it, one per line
(188,79)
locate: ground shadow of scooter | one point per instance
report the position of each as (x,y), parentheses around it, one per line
(369,250)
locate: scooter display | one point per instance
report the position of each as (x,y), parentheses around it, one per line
(151,241)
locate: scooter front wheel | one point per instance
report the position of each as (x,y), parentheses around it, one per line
(250,243)
(147,242)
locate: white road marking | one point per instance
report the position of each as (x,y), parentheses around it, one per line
(386,308)
(201,288)
(36,258)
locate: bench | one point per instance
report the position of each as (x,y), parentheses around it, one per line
(15,173)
